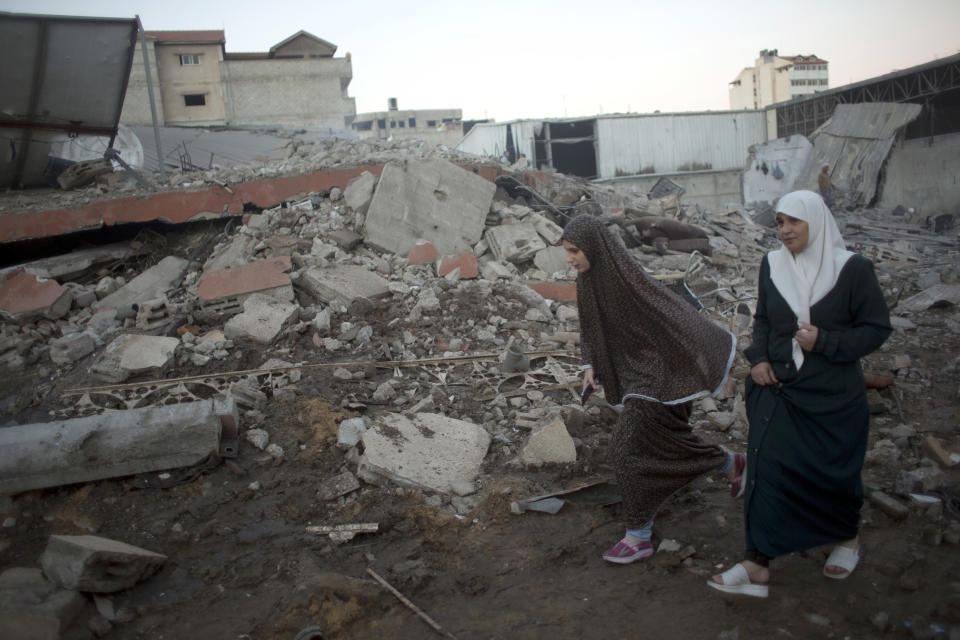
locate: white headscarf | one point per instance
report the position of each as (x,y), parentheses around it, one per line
(805,278)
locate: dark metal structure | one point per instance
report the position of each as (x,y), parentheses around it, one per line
(935,85)
(60,75)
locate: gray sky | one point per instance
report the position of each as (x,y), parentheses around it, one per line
(534,59)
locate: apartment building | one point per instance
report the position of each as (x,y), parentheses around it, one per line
(196,82)
(775,78)
(439,126)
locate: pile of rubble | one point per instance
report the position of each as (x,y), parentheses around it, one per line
(437,308)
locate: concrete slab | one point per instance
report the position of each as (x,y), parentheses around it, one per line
(516,243)
(149,285)
(762,184)
(262,320)
(72,347)
(237,252)
(937,295)
(33,607)
(551,443)
(433,200)
(175,206)
(122,443)
(97,565)
(548,230)
(552,260)
(343,282)
(71,265)
(359,192)
(132,354)
(24,297)
(224,291)
(429,451)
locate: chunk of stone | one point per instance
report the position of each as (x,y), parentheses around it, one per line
(551,443)
(344,283)
(133,354)
(149,285)
(516,243)
(350,431)
(258,438)
(33,607)
(338,485)
(889,505)
(551,260)
(72,347)
(262,320)
(359,192)
(550,231)
(97,565)
(24,297)
(427,451)
(936,296)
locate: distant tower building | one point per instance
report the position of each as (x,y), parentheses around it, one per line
(775,78)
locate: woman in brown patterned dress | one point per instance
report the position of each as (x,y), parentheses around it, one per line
(654,354)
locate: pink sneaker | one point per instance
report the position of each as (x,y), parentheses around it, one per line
(625,552)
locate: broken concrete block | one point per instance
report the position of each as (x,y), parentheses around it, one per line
(133,354)
(153,314)
(151,284)
(97,565)
(343,282)
(935,296)
(33,607)
(237,252)
(552,260)
(359,192)
(72,347)
(339,485)
(262,320)
(258,438)
(493,270)
(223,292)
(465,262)
(549,230)
(24,297)
(936,452)
(122,443)
(433,200)
(348,240)
(890,506)
(428,451)
(350,431)
(516,243)
(551,443)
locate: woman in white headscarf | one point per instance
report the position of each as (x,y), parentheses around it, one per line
(819,310)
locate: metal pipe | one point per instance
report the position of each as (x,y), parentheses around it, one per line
(153,106)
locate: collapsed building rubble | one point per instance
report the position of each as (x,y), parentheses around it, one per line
(383,310)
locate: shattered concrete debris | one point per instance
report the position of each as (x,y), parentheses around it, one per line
(222,292)
(33,607)
(96,564)
(427,450)
(152,283)
(133,354)
(343,283)
(516,243)
(550,444)
(262,319)
(24,297)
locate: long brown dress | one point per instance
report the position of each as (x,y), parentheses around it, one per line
(655,354)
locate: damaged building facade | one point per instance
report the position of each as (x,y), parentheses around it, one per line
(774,78)
(196,82)
(437,126)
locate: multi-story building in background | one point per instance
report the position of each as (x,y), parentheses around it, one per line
(439,126)
(297,83)
(775,78)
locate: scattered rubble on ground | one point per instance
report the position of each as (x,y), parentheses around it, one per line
(331,371)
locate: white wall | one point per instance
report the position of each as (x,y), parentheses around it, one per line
(790,154)
(924,175)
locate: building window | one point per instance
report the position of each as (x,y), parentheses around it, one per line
(401,124)
(194,100)
(412,122)
(431,123)
(393,124)
(189,59)
(823,82)
(364,125)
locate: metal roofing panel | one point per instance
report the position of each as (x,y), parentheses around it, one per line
(59,73)
(875,120)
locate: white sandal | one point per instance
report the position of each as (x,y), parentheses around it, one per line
(844,557)
(736,580)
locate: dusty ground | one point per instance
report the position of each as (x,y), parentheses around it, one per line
(241,564)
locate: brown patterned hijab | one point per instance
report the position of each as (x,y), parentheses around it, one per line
(642,339)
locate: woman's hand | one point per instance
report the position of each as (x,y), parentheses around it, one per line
(762,374)
(806,336)
(588,380)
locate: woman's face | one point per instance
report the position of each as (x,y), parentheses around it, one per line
(575,257)
(794,233)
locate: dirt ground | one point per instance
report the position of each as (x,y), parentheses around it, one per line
(242,566)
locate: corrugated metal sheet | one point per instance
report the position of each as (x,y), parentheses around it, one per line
(877,120)
(658,143)
(855,143)
(677,142)
(59,73)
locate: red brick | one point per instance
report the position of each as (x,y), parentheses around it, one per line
(423,253)
(23,293)
(247,278)
(560,291)
(467,263)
